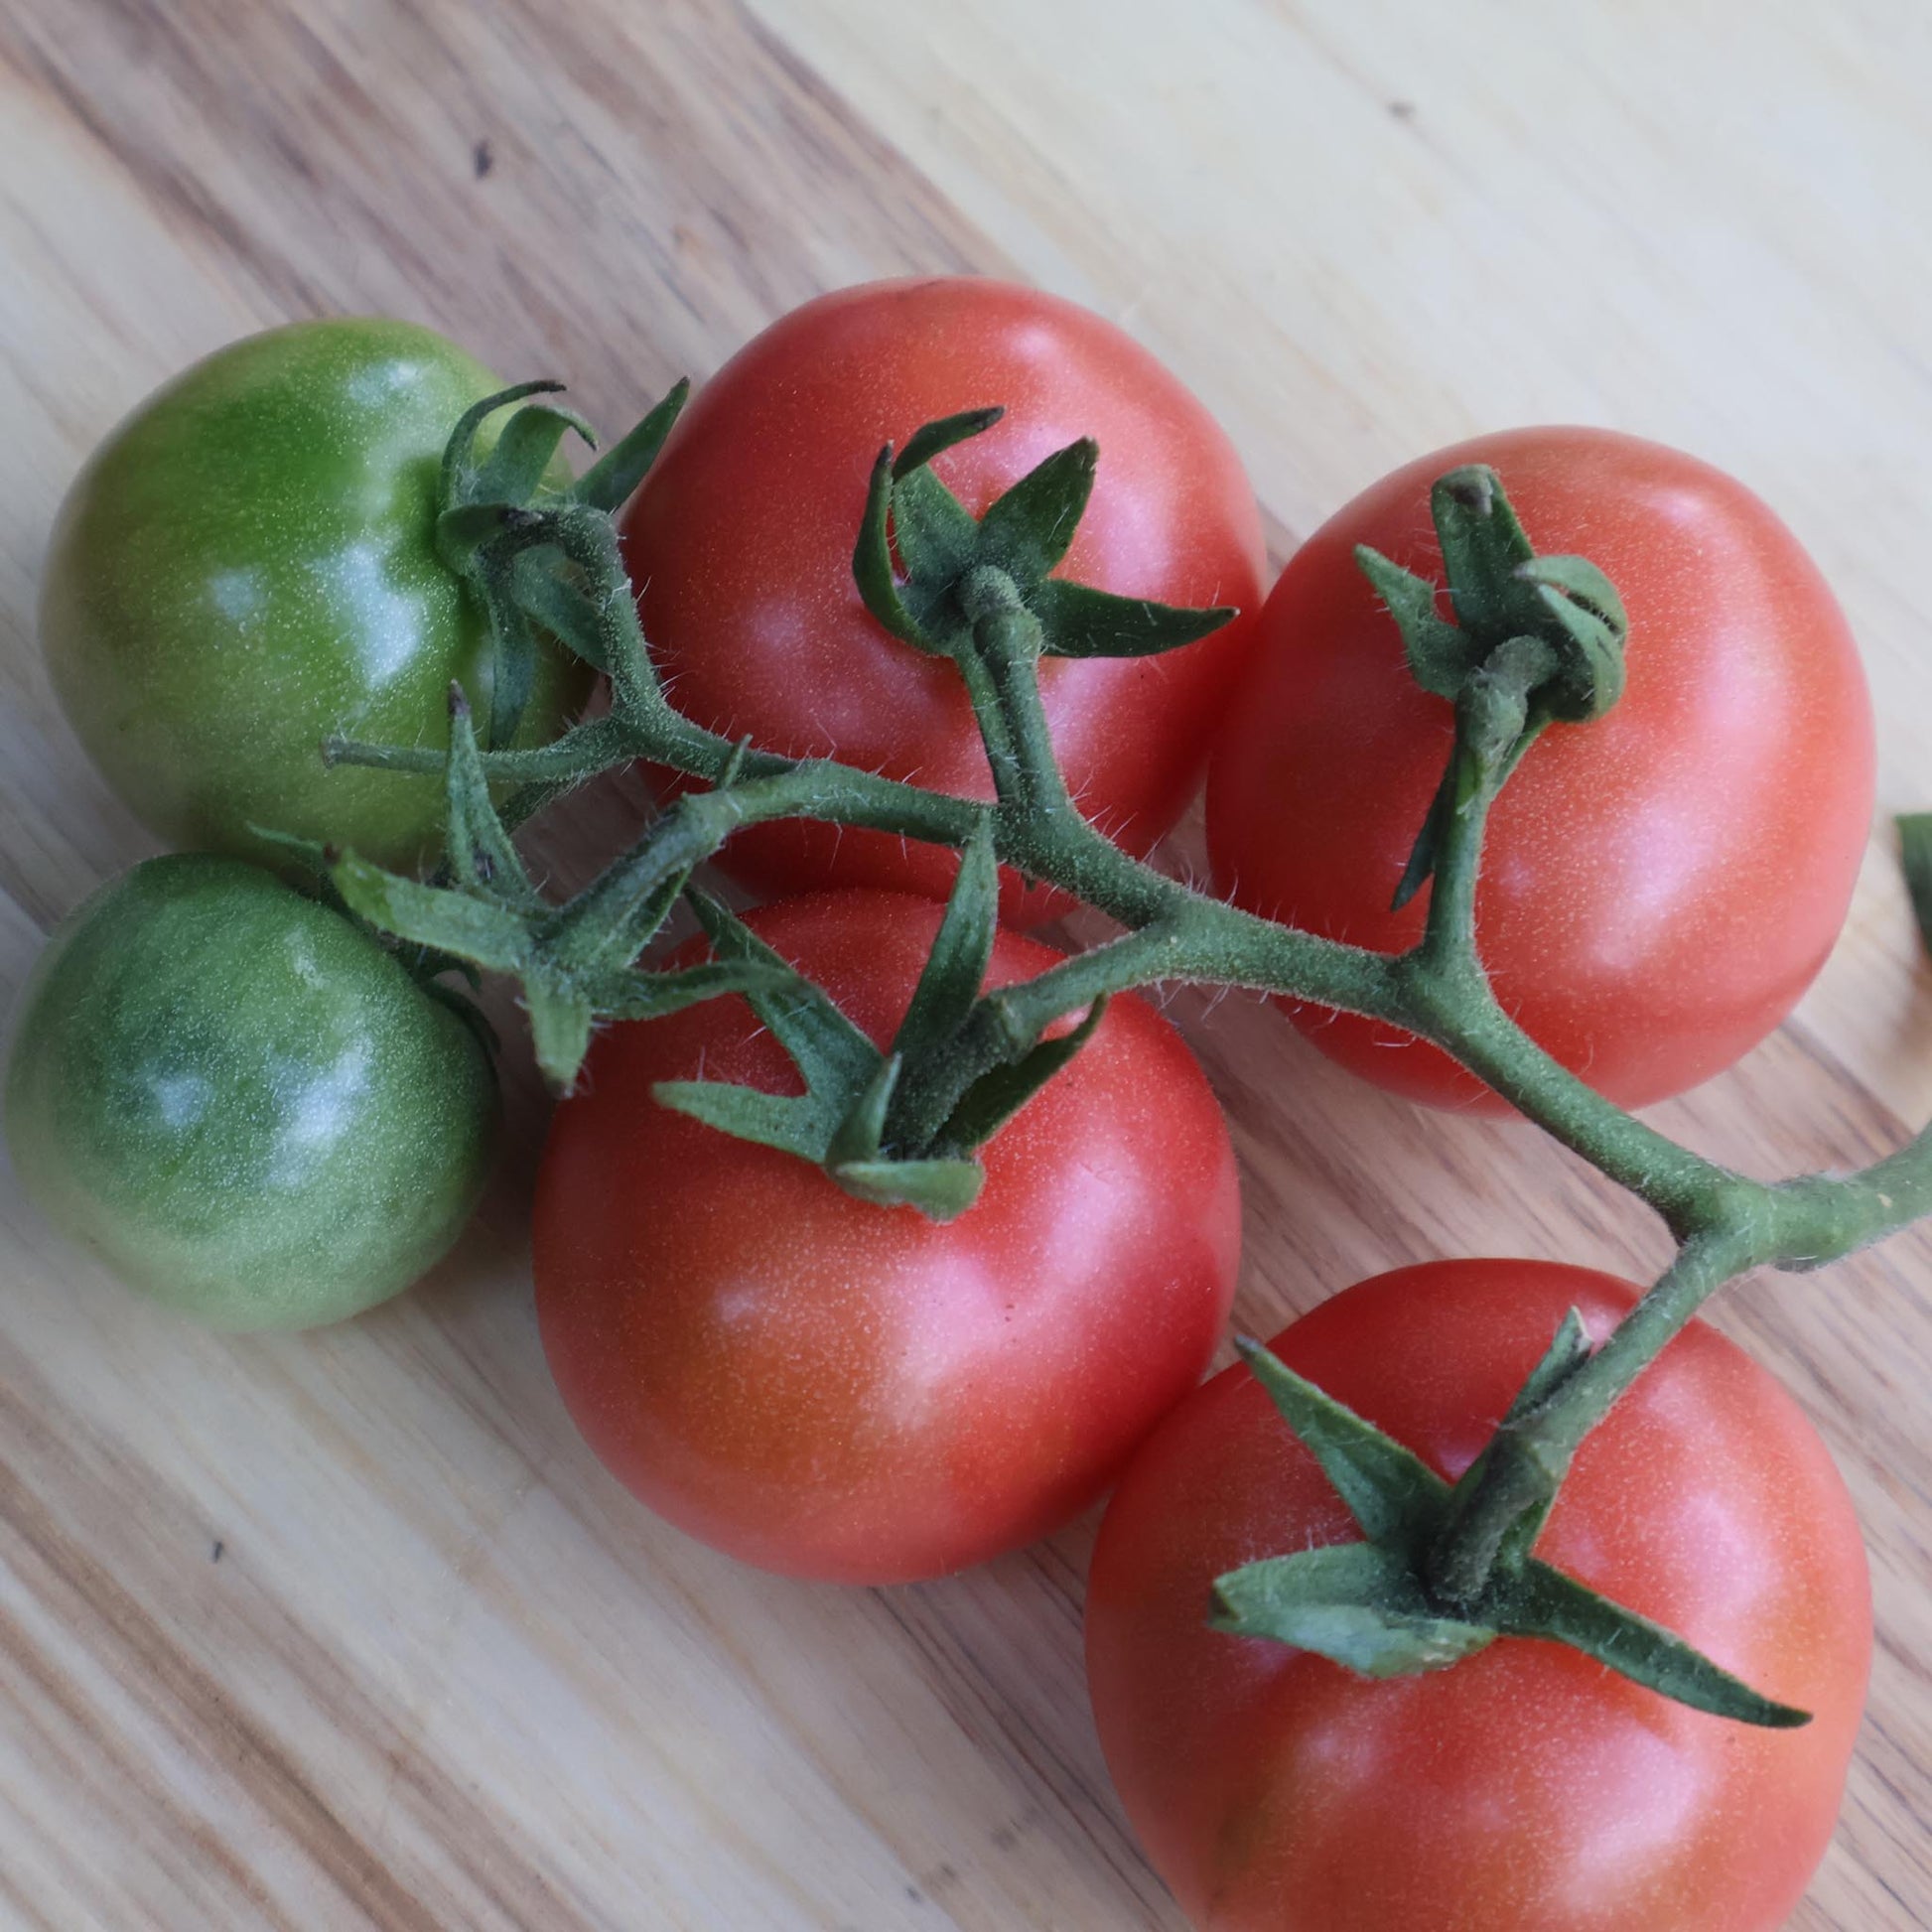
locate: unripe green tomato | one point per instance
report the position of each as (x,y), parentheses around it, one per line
(241,1102)
(248,565)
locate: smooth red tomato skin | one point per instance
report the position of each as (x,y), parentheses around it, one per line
(837,1390)
(1659,887)
(741,541)
(1525,1789)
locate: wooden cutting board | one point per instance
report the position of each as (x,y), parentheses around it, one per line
(348,1630)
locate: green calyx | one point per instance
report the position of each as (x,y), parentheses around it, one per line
(932,573)
(898,1128)
(1535,640)
(489,535)
(576,961)
(1375,1606)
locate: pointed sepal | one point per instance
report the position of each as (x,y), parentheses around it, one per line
(1030,529)
(561,1019)
(481,930)
(1544,1602)
(872,568)
(941,1189)
(996,1096)
(935,438)
(611,481)
(528,443)
(1915,854)
(1392,1493)
(1355,1603)
(832,1055)
(476,848)
(543,596)
(457,483)
(1440,654)
(1566,1353)
(1484,547)
(791,1123)
(955,969)
(1078,621)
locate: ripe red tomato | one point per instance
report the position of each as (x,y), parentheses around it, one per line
(741,541)
(844,1391)
(1525,1787)
(1660,885)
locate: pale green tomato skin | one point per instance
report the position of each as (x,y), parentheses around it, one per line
(241,1102)
(248,565)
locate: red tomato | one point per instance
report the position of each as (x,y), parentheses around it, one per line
(1526,1789)
(741,546)
(1660,885)
(839,1390)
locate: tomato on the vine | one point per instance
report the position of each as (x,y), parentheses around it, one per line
(244,1105)
(248,565)
(835,1389)
(1660,884)
(1525,1786)
(741,543)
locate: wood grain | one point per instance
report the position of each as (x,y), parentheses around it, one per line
(347,1630)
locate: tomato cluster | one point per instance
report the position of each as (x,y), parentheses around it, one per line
(256,1108)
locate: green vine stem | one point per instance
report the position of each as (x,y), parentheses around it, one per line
(1537,641)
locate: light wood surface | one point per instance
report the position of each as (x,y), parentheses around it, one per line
(348,1630)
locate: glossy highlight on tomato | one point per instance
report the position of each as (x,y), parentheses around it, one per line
(248,565)
(834,1389)
(1526,1788)
(1659,886)
(241,1102)
(740,544)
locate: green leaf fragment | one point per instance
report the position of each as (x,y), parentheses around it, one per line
(1915,849)
(1430,840)
(1352,1602)
(1580,581)
(858,1135)
(1566,1353)
(1588,637)
(464,528)
(940,1188)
